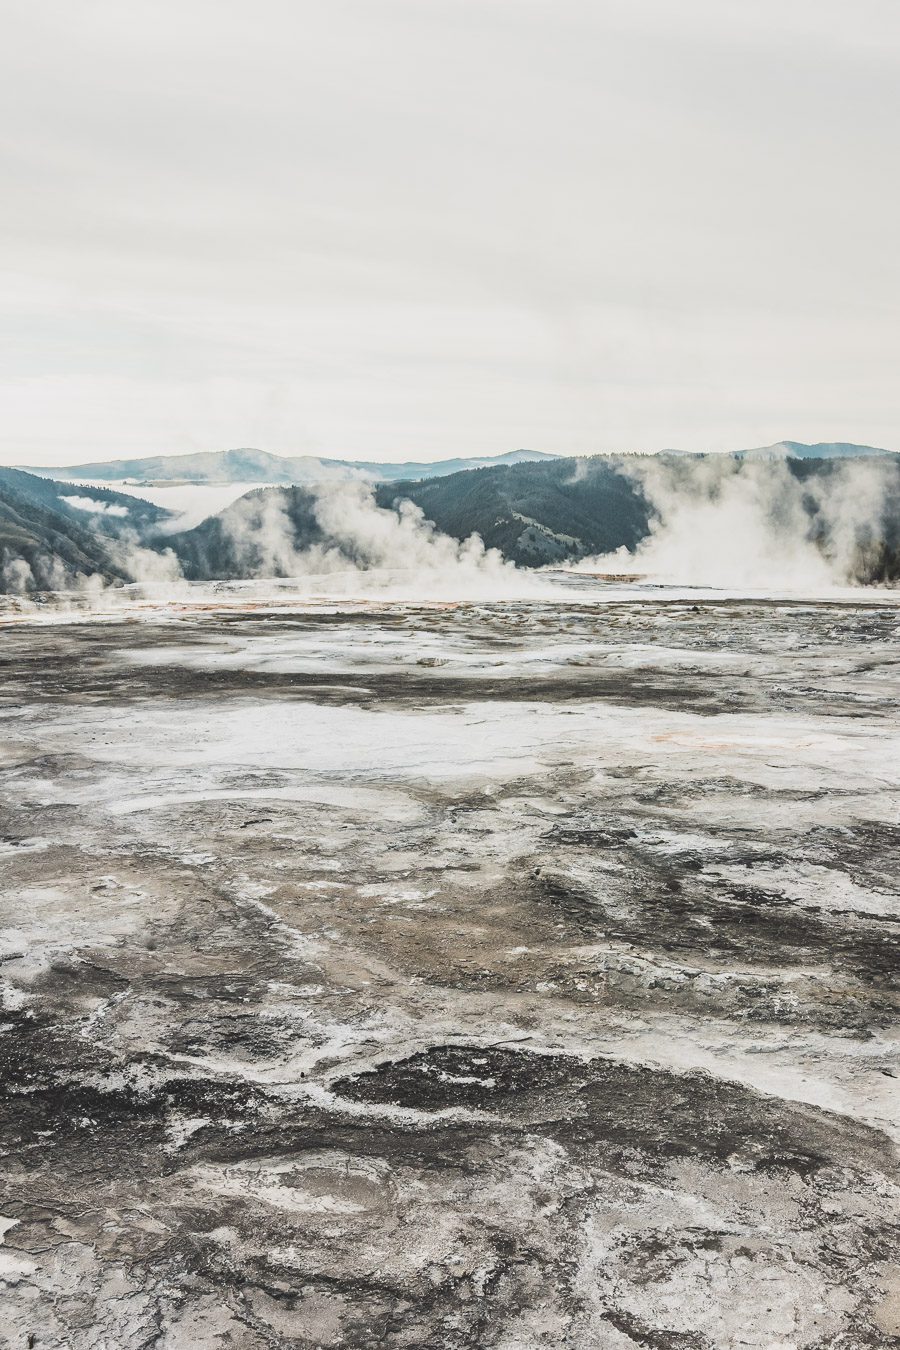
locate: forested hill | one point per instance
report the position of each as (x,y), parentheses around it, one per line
(52,533)
(546,513)
(535,513)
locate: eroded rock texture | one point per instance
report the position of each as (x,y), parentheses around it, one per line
(511,976)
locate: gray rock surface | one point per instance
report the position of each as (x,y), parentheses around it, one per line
(512,975)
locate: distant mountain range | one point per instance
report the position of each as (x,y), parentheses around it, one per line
(260,466)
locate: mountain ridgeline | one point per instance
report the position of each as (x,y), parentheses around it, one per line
(252,466)
(261,466)
(539,513)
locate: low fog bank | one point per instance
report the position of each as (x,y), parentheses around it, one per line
(185,504)
(784,524)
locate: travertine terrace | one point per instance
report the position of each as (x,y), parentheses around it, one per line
(505,975)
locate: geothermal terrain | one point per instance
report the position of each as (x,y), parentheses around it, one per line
(511,974)
(786,513)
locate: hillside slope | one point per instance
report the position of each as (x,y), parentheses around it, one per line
(46,541)
(536,513)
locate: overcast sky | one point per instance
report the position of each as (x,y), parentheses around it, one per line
(417,228)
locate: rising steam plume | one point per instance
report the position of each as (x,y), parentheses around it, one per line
(348,542)
(721,521)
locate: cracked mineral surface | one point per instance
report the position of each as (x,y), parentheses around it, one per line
(505,975)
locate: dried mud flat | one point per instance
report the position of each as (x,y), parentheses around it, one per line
(513,975)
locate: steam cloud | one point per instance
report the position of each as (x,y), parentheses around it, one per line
(397,553)
(724,522)
(365,549)
(47,572)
